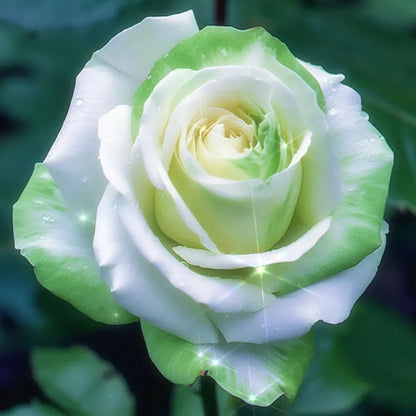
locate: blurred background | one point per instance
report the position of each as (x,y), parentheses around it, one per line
(366,366)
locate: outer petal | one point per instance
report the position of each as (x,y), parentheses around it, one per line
(258,374)
(365,161)
(292,315)
(59,244)
(109,78)
(138,285)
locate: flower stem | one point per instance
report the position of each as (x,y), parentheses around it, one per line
(209,396)
(220,12)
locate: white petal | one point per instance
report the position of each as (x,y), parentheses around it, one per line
(188,92)
(321,192)
(289,253)
(221,295)
(110,78)
(365,161)
(135,50)
(114,131)
(290,316)
(138,285)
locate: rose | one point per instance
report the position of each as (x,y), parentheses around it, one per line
(228,194)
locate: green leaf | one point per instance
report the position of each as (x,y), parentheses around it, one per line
(381,345)
(33,409)
(331,384)
(255,373)
(59,245)
(81,383)
(50,14)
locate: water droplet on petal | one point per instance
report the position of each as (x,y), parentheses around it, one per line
(48,218)
(372,139)
(333,111)
(84,179)
(79,102)
(364,115)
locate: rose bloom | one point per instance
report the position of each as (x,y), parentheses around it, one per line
(216,187)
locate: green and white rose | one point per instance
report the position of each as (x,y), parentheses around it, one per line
(216,187)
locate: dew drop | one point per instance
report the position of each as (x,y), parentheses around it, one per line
(84,179)
(79,102)
(372,139)
(333,111)
(165,55)
(181,283)
(48,218)
(149,76)
(364,115)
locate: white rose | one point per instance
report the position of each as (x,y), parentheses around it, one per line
(231,202)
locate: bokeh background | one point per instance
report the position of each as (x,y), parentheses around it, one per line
(366,366)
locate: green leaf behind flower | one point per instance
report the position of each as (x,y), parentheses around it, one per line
(50,14)
(258,374)
(81,383)
(33,409)
(381,346)
(332,385)
(59,245)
